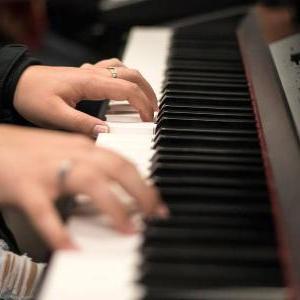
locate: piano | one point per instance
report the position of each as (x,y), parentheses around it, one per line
(225,156)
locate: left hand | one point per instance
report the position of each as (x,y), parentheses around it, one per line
(47,96)
(32,160)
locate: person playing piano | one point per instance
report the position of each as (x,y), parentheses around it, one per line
(38,166)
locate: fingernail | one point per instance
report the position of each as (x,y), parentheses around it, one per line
(100,129)
(163,212)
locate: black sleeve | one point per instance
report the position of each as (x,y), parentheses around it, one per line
(14,59)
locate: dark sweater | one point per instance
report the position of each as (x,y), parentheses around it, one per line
(14,59)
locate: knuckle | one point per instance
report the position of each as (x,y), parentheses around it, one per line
(133,75)
(89,176)
(116,61)
(86,65)
(136,73)
(133,88)
(101,62)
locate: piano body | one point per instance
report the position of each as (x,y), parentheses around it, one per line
(226,158)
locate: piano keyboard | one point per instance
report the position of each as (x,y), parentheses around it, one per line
(219,242)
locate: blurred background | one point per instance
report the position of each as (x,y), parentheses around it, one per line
(71,32)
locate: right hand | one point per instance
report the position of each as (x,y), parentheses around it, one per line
(30,160)
(47,96)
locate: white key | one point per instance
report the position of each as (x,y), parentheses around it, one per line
(135,128)
(106,268)
(121,137)
(116,107)
(124,118)
(77,276)
(147,51)
(135,147)
(125,143)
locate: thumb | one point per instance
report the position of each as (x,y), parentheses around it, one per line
(78,121)
(68,118)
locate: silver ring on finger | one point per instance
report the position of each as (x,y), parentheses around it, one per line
(113,71)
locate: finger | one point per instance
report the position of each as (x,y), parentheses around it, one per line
(131,75)
(123,172)
(86,179)
(146,196)
(113,62)
(45,219)
(135,76)
(78,121)
(97,87)
(63,116)
(108,203)
(87,66)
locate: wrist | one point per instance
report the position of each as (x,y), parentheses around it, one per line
(14,61)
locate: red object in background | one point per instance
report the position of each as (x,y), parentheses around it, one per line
(23,21)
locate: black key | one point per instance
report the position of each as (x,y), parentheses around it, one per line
(205,122)
(204,66)
(202,221)
(249,256)
(214,86)
(208,74)
(226,293)
(233,133)
(206,276)
(204,113)
(207,98)
(196,208)
(205,140)
(209,181)
(190,158)
(210,150)
(210,79)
